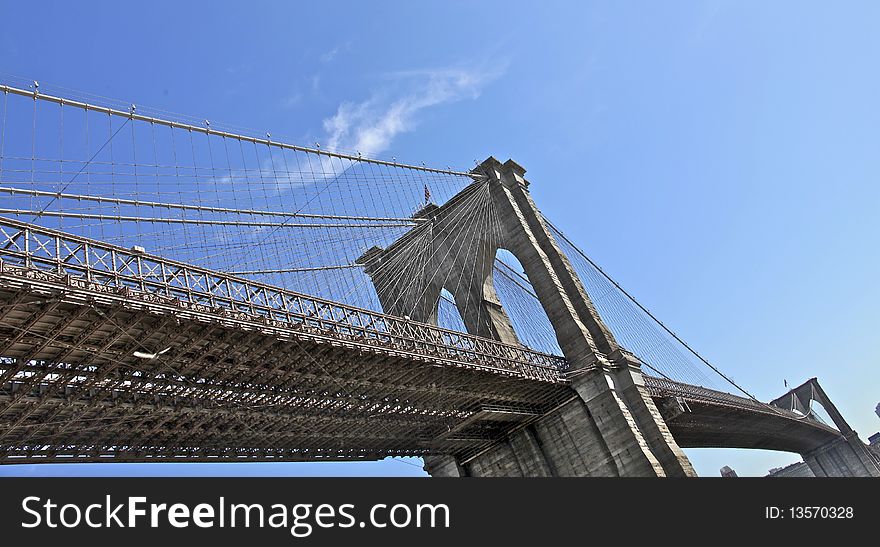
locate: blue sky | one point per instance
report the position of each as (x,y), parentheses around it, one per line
(719,159)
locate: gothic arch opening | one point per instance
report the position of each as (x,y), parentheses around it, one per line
(448,316)
(520,302)
(818,412)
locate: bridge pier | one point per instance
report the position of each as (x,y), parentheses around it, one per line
(631,385)
(592,435)
(443,465)
(847,457)
(597,433)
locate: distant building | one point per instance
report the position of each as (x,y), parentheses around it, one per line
(799,469)
(874,439)
(877,410)
(728,472)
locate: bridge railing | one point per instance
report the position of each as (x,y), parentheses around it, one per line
(665,387)
(86,261)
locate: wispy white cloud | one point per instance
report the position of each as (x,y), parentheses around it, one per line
(238,69)
(370,126)
(328,56)
(292,100)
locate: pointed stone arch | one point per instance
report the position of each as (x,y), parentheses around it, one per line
(448,316)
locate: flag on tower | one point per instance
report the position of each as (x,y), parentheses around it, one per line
(427,195)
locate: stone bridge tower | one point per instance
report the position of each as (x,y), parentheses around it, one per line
(611,427)
(845,457)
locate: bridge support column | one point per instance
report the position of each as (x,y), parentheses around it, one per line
(847,457)
(584,437)
(624,441)
(443,466)
(631,385)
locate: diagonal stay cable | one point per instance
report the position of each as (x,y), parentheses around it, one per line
(81,169)
(646,311)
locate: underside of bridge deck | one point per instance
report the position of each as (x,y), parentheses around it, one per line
(120,378)
(89,380)
(712,425)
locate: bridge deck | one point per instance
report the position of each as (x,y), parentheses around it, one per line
(721,420)
(107,354)
(100,267)
(71,378)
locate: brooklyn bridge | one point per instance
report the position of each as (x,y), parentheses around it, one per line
(172,289)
